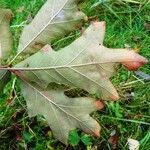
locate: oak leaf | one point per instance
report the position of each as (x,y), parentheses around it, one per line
(85,64)
(5,34)
(62,113)
(5,43)
(55,19)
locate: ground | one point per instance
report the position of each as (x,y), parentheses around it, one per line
(127,26)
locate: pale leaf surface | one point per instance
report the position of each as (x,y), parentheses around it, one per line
(54,19)
(5,34)
(85,64)
(62,113)
(5,43)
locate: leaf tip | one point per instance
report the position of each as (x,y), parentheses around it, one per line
(99,105)
(136,61)
(114,96)
(97,131)
(94,129)
(97,24)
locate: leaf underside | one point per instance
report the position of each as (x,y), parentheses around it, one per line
(85,64)
(5,34)
(55,19)
(5,44)
(62,113)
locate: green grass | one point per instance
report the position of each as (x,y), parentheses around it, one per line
(130,117)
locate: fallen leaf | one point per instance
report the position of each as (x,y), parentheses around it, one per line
(85,64)
(5,44)
(5,34)
(55,19)
(63,114)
